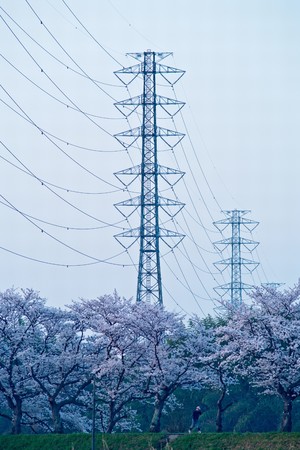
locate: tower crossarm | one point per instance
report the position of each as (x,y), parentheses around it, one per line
(162,201)
(143,68)
(236,217)
(158,55)
(167,70)
(165,203)
(236,240)
(170,175)
(145,131)
(130,105)
(139,101)
(226,288)
(150,233)
(247,263)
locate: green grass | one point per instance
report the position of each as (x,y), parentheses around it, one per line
(238,441)
(147,441)
(128,441)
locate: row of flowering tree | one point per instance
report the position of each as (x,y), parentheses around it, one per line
(262,342)
(49,359)
(138,353)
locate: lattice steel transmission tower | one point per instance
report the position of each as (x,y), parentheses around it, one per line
(149,203)
(235,218)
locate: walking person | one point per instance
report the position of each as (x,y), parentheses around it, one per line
(195,419)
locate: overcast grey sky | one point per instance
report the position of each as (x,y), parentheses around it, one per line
(241,88)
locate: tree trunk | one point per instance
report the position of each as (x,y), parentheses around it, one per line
(219,418)
(220,408)
(58,427)
(111,422)
(17,416)
(156,418)
(286,423)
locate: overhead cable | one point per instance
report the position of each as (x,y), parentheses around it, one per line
(56,145)
(116,225)
(106,260)
(57,99)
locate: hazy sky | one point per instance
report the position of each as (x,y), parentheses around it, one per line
(241,88)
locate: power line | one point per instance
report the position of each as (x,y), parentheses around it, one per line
(175,301)
(131,26)
(43,182)
(57,59)
(94,39)
(56,145)
(199,252)
(50,263)
(55,98)
(186,286)
(206,149)
(195,181)
(65,227)
(106,260)
(193,266)
(69,144)
(116,225)
(55,84)
(197,159)
(191,238)
(65,51)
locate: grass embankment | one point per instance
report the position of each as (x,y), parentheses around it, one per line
(146,441)
(236,441)
(126,441)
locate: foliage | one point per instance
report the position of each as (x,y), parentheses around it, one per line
(22,320)
(118,374)
(147,366)
(263,342)
(62,369)
(172,355)
(148,352)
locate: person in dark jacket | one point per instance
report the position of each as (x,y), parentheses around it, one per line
(195,419)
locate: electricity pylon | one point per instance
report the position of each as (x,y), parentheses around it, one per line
(149,203)
(236,220)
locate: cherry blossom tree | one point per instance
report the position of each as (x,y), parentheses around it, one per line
(118,375)
(147,353)
(263,341)
(22,315)
(219,367)
(172,356)
(62,369)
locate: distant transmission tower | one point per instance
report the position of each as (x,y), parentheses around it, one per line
(149,233)
(236,220)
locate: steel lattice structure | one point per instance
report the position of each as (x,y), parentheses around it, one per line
(149,203)
(235,218)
